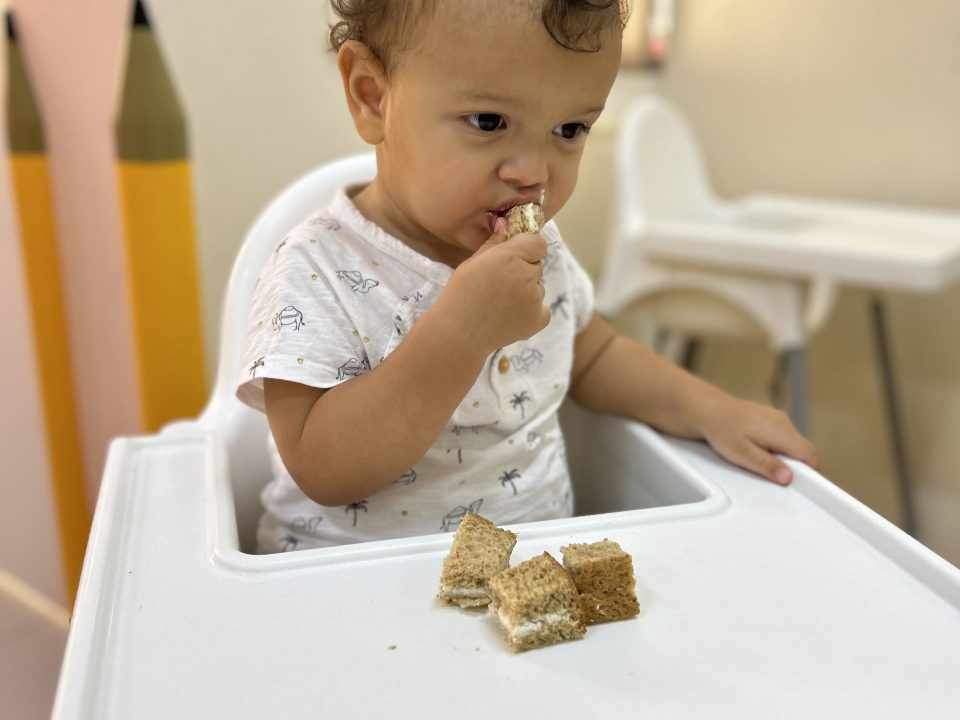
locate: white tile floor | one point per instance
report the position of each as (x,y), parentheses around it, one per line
(31,648)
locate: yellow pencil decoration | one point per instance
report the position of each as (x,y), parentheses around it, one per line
(156,193)
(31,183)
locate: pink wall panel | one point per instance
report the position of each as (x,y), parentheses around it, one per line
(74,50)
(29,543)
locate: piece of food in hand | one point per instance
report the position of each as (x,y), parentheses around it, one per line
(524,219)
(479,551)
(603,574)
(536,604)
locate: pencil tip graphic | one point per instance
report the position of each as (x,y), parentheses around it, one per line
(140,17)
(11,27)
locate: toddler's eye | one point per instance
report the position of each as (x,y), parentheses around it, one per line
(569,131)
(486,122)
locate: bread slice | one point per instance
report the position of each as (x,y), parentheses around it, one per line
(603,574)
(524,219)
(479,551)
(536,604)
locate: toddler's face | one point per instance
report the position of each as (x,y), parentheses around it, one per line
(485,111)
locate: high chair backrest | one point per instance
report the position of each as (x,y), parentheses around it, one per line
(243,429)
(659,168)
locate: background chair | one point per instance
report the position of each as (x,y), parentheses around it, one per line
(244,430)
(767,263)
(659,174)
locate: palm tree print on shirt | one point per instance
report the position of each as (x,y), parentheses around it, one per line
(518,400)
(355,507)
(508,477)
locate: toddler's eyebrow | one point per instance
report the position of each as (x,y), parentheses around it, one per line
(491,98)
(485,97)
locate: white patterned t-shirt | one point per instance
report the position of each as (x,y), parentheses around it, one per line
(337,296)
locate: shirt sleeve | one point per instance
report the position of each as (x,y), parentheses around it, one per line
(299,328)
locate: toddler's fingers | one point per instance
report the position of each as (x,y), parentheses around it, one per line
(756,459)
(499,236)
(532,248)
(786,439)
(799,448)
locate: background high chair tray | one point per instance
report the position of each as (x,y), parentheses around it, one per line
(881,247)
(758,601)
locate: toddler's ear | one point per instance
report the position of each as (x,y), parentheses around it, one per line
(364,83)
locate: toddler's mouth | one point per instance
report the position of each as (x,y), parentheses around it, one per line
(501,212)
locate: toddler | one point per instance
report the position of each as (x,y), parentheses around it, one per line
(411,359)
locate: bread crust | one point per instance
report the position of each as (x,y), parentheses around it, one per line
(536,604)
(603,575)
(479,551)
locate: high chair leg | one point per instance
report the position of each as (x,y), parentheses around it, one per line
(796,368)
(904,486)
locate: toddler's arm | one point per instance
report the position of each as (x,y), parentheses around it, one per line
(617,375)
(342,444)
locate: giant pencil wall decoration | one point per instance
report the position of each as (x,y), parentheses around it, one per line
(155,190)
(34,206)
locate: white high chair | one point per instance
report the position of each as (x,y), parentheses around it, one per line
(659,175)
(176,619)
(244,431)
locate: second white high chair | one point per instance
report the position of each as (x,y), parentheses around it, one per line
(659,174)
(775,259)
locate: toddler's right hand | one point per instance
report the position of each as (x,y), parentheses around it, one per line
(496,297)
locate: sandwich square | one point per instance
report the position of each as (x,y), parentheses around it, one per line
(536,604)
(479,551)
(603,575)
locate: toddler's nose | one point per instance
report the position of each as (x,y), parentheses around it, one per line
(525,170)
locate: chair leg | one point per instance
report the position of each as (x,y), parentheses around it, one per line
(691,354)
(775,388)
(796,364)
(672,346)
(904,485)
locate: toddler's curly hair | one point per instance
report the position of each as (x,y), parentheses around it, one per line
(386,26)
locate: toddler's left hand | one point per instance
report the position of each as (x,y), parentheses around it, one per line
(748,434)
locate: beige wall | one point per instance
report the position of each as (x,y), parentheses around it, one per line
(859,99)
(263,100)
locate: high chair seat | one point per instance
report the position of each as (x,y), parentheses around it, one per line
(244,430)
(778,589)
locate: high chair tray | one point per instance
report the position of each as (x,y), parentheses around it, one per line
(758,602)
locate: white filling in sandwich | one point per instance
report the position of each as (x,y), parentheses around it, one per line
(529,213)
(524,219)
(450,591)
(533,627)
